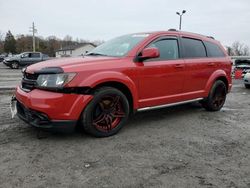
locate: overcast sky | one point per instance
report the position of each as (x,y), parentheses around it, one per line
(226,20)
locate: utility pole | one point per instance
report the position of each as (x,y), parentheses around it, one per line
(33,30)
(181,14)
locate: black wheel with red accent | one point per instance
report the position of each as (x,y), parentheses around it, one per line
(216,97)
(106,114)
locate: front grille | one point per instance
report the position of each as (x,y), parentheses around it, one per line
(32,116)
(31,76)
(29,81)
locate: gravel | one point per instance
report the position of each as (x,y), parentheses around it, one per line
(183,146)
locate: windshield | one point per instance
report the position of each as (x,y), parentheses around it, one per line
(119,46)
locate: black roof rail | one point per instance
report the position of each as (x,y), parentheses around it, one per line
(172,30)
(210,37)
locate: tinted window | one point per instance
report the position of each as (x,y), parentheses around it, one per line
(213,50)
(193,48)
(35,55)
(168,49)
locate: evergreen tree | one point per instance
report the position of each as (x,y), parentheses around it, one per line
(9,43)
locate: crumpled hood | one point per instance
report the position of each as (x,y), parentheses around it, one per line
(67,63)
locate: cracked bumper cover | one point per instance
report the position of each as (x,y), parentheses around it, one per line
(50,110)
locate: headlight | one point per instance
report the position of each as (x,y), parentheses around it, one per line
(23,70)
(54,80)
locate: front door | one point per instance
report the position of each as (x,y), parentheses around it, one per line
(25,59)
(161,79)
(35,57)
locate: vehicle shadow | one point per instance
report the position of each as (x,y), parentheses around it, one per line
(140,119)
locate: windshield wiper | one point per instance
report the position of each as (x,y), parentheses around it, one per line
(95,54)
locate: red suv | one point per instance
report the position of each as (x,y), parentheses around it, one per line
(130,73)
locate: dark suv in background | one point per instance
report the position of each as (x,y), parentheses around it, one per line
(24,59)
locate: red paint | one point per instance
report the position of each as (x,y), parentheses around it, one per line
(238,74)
(57,106)
(150,83)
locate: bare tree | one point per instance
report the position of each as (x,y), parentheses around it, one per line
(1,35)
(1,42)
(239,49)
(98,42)
(67,40)
(246,50)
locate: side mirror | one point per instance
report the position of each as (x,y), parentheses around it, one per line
(148,53)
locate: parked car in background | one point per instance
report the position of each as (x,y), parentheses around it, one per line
(242,66)
(244,69)
(247,80)
(25,59)
(135,72)
(2,56)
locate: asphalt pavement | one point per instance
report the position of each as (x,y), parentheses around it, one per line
(9,78)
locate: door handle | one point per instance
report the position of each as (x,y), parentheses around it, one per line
(179,66)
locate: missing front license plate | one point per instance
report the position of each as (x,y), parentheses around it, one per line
(13,109)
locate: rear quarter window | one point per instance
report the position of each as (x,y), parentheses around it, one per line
(213,50)
(193,48)
(35,55)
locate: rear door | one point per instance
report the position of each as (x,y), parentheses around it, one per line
(35,57)
(161,79)
(198,67)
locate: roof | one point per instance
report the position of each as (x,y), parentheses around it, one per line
(73,47)
(178,32)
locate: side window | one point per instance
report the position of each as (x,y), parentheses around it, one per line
(214,50)
(35,55)
(193,48)
(25,55)
(168,49)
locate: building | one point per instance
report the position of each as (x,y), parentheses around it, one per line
(75,50)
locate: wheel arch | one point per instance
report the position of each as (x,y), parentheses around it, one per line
(117,80)
(14,61)
(217,75)
(121,87)
(223,79)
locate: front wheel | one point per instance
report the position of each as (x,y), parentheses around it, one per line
(14,65)
(247,86)
(216,97)
(107,113)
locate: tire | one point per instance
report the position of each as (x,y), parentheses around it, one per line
(15,65)
(247,86)
(216,97)
(106,114)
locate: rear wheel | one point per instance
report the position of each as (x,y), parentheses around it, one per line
(14,65)
(107,113)
(247,86)
(216,97)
